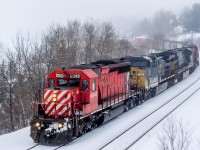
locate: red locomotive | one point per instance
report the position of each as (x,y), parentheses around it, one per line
(80,98)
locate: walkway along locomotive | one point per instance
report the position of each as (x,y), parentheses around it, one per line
(81,98)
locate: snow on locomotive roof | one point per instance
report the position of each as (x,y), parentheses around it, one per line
(147,57)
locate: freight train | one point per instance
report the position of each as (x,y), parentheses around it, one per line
(83,97)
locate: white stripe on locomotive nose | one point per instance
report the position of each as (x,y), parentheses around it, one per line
(49,99)
(65,108)
(53,111)
(46,93)
(63,102)
(61,112)
(61,94)
(52,105)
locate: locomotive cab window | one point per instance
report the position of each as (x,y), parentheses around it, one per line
(62,82)
(93,85)
(74,82)
(84,85)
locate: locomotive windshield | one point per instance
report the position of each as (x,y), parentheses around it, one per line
(62,82)
(70,82)
(140,65)
(74,82)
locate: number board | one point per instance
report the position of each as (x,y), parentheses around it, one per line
(140,74)
(59,75)
(75,76)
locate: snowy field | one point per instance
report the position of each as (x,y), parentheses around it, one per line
(188,112)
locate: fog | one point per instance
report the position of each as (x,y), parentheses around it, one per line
(34,16)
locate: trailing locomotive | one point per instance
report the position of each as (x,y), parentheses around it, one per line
(83,97)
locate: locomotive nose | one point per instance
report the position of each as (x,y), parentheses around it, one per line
(57,103)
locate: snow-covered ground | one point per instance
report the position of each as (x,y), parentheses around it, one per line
(20,140)
(189,113)
(146,125)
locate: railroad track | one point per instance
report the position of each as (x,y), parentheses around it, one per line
(129,146)
(32,147)
(103,147)
(150,114)
(38,146)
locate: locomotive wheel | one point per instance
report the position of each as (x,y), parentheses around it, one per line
(126,107)
(136,101)
(153,92)
(82,132)
(131,104)
(180,77)
(141,99)
(100,119)
(146,96)
(94,125)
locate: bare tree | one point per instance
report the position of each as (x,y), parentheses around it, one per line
(175,136)
(89,41)
(106,41)
(50,46)
(24,77)
(8,74)
(17,77)
(6,112)
(61,45)
(72,40)
(123,48)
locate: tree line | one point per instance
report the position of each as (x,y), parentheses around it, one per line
(163,23)
(25,65)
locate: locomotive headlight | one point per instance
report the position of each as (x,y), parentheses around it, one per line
(54,97)
(60,125)
(37,124)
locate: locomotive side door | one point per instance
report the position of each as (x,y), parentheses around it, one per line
(89,91)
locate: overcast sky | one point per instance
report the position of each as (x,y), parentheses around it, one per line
(34,16)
